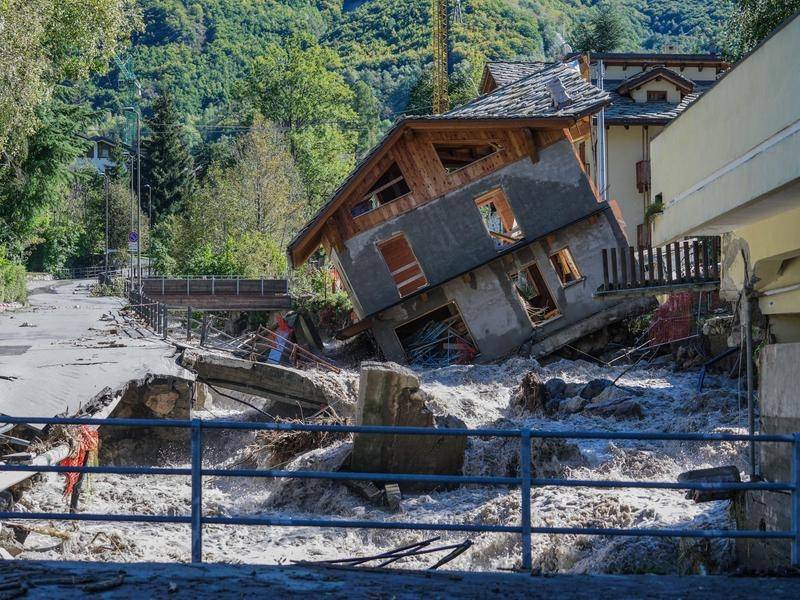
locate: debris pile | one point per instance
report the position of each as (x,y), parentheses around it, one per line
(441,343)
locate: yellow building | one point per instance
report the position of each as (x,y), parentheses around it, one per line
(648,91)
(730,166)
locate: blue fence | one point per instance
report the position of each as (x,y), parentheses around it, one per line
(525,481)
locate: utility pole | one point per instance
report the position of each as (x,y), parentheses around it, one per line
(106,193)
(139,196)
(149,204)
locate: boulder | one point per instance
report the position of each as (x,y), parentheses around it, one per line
(389,394)
(617,408)
(531,395)
(556,388)
(573,405)
(593,388)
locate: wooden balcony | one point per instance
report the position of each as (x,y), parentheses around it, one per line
(687,265)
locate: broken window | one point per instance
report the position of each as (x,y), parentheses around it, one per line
(534,294)
(656,95)
(565,267)
(389,186)
(403,265)
(498,218)
(437,339)
(458,156)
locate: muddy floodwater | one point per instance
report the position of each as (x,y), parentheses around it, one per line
(480,396)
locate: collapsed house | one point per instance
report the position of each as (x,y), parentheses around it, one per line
(464,235)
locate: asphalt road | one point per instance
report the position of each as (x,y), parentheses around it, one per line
(66,346)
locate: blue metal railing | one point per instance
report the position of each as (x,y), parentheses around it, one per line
(525,481)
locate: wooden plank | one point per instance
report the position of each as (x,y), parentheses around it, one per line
(660,261)
(623,264)
(614,279)
(696,249)
(650,263)
(669,264)
(642,273)
(687,259)
(704,249)
(605,269)
(676,248)
(632,255)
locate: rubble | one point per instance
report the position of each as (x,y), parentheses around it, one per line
(594,387)
(390,395)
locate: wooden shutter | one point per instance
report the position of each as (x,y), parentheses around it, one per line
(403,265)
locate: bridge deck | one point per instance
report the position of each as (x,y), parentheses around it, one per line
(220,294)
(68,580)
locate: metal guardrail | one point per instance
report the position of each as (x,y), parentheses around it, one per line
(525,481)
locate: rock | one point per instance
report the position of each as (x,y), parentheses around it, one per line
(531,395)
(389,394)
(162,403)
(552,406)
(556,388)
(594,387)
(619,408)
(573,405)
(572,389)
(203,400)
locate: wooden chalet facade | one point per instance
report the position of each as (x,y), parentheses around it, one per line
(464,235)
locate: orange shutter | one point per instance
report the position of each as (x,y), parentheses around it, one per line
(403,265)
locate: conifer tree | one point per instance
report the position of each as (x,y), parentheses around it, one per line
(167,164)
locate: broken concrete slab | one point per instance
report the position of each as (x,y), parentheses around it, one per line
(389,394)
(306,389)
(726,474)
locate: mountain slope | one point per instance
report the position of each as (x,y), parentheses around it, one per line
(200,49)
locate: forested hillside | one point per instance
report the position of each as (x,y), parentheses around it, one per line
(200,50)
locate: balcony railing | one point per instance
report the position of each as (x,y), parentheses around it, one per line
(691,264)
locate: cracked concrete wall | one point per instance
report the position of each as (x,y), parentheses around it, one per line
(448,235)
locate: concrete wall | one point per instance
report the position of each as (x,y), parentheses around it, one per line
(625,149)
(506,326)
(448,235)
(779,408)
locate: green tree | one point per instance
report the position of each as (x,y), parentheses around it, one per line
(368,109)
(299,86)
(45,42)
(752,21)
(167,164)
(462,87)
(39,178)
(605,31)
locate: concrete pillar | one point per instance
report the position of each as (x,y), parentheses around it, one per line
(389,394)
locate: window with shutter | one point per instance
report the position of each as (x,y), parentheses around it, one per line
(403,265)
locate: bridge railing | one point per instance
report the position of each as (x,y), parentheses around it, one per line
(525,481)
(164,286)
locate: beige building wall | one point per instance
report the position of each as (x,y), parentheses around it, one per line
(626,147)
(619,73)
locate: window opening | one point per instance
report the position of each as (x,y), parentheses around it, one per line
(389,186)
(403,265)
(565,266)
(457,156)
(534,294)
(437,339)
(497,216)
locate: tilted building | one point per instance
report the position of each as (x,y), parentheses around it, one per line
(467,234)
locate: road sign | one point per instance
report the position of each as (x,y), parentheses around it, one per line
(133,237)
(133,246)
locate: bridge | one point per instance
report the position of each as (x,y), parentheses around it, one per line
(213,293)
